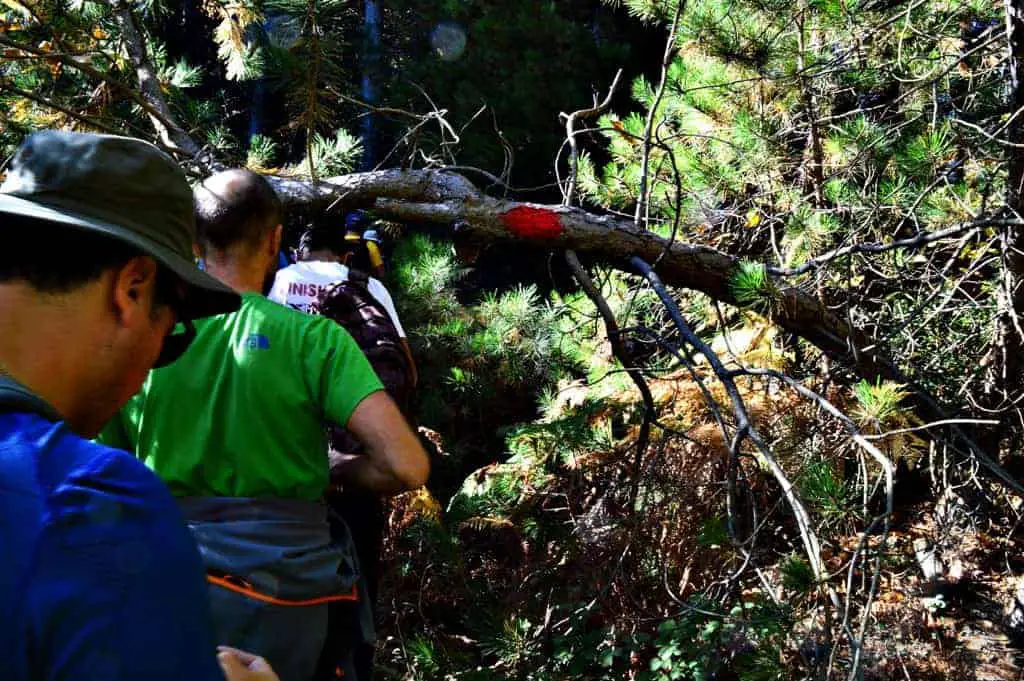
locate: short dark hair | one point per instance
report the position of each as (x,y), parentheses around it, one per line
(54,258)
(240,208)
(319,238)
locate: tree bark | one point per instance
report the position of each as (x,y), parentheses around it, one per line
(170,133)
(430,196)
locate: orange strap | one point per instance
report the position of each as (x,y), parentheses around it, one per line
(240,586)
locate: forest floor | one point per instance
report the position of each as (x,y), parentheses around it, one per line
(551,564)
(954,627)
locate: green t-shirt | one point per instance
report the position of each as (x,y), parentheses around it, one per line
(242,412)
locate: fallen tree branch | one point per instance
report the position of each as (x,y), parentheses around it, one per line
(614,241)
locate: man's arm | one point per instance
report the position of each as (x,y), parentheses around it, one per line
(414,376)
(394,460)
(352,396)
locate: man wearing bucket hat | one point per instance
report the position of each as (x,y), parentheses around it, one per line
(99,578)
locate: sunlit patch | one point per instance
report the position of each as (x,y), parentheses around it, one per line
(448,41)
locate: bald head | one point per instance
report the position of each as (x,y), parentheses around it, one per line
(235,208)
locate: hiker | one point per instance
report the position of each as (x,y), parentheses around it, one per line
(360,224)
(324,256)
(99,578)
(236,430)
(323,282)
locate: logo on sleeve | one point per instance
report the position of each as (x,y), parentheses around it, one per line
(257,341)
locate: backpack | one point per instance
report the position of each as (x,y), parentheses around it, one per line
(350,304)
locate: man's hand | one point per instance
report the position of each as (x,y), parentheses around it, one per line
(239,665)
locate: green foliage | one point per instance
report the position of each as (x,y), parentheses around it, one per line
(797,574)
(262,151)
(808,232)
(496,496)
(220,138)
(425,657)
(698,645)
(824,491)
(515,646)
(713,532)
(758,93)
(561,440)
(489,360)
(243,59)
(330,156)
(878,403)
(924,153)
(752,286)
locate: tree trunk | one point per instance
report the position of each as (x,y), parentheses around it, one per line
(371,75)
(1006,365)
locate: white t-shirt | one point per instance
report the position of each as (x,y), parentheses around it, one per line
(299,285)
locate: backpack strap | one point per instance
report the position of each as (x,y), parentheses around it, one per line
(14,397)
(358,276)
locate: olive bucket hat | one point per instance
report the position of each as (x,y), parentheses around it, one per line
(120,187)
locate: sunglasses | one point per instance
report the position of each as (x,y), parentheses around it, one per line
(170,293)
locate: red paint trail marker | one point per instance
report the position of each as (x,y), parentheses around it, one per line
(532,223)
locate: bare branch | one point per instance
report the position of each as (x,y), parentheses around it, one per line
(160,114)
(652,111)
(916,241)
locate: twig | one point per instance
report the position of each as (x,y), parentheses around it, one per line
(810,539)
(39,99)
(934,424)
(568,195)
(624,357)
(916,241)
(641,204)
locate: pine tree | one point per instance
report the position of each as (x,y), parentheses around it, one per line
(782,131)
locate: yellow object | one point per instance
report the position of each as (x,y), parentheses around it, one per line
(753,218)
(422,503)
(375,259)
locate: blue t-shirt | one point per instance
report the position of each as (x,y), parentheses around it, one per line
(99,578)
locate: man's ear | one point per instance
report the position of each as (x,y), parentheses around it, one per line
(275,240)
(134,285)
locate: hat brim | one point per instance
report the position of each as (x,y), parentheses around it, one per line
(205,295)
